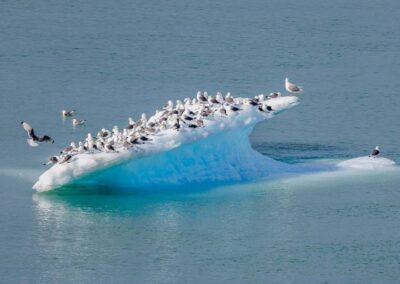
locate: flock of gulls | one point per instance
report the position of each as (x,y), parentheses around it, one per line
(191,113)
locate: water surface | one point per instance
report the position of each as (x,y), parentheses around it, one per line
(111,60)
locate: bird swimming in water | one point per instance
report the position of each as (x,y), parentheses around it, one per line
(76,122)
(375,152)
(292,88)
(66,113)
(33,139)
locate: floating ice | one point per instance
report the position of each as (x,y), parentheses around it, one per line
(366,163)
(218,152)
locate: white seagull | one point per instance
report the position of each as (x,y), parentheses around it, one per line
(292,88)
(33,139)
(76,122)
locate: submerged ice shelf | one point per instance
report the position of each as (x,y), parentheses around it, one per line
(218,152)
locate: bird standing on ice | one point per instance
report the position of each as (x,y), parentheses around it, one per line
(375,152)
(33,139)
(292,88)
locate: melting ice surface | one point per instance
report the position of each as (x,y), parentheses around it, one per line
(218,153)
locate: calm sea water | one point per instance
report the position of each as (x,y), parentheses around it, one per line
(114,59)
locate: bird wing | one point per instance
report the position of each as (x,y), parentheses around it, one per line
(28,128)
(31,133)
(46,138)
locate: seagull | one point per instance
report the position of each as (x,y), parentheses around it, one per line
(52,160)
(274,95)
(76,122)
(64,159)
(33,139)
(212,100)
(229,98)
(375,152)
(69,149)
(109,147)
(292,88)
(66,113)
(90,142)
(200,123)
(131,123)
(222,111)
(252,102)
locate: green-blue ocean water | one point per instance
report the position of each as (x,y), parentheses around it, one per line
(115,59)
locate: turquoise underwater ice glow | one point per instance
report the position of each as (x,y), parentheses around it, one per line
(222,158)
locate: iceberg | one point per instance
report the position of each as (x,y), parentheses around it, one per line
(219,152)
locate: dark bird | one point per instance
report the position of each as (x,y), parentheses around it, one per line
(187,117)
(265,108)
(253,102)
(176,125)
(33,139)
(134,140)
(234,108)
(375,152)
